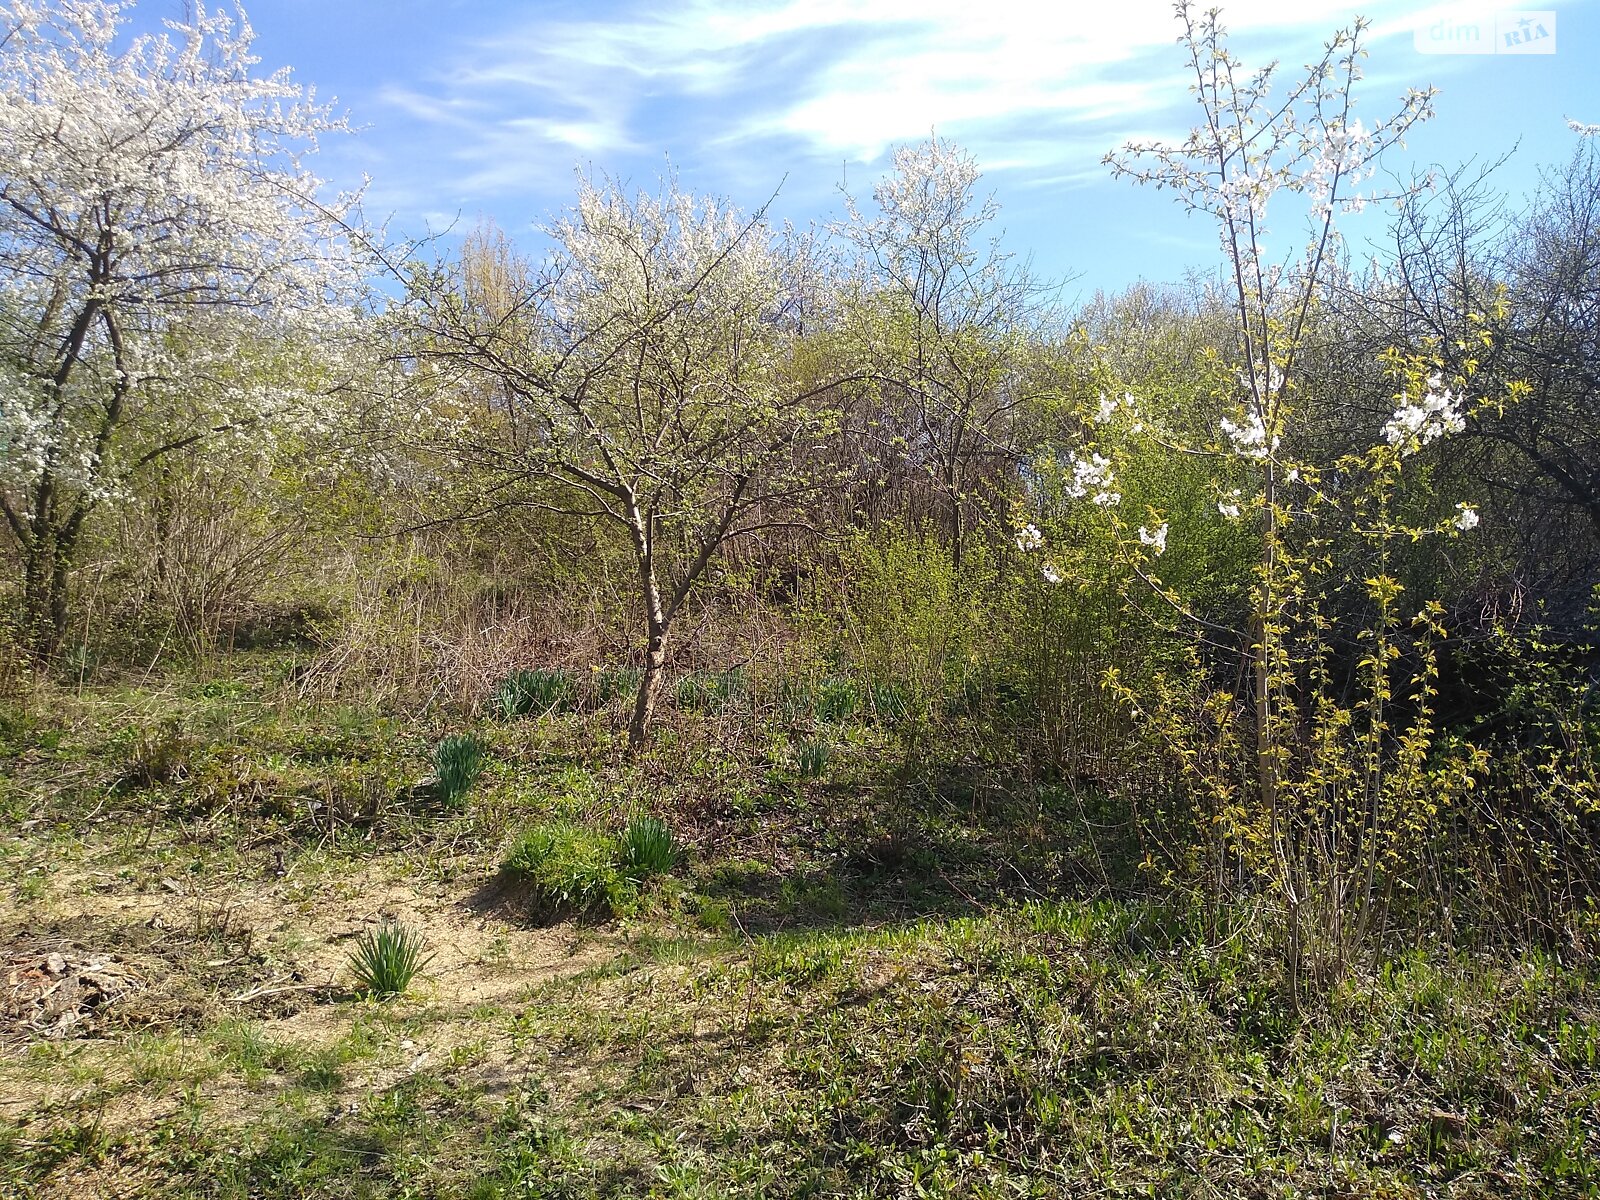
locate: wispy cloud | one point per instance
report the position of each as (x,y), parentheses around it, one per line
(1030,86)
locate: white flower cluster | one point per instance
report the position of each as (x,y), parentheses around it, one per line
(1338,157)
(1250,437)
(1229,506)
(1263,382)
(1245,194)
(154,190)
(1094,477)
(1109,405)
(1415,425)
(1156,539)
(1582,130)
(1029,538)
(1466,517)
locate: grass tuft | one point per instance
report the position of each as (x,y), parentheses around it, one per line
(567,867)
(533,693)
(812,758)
(647,848)
(386,960)
(458,760)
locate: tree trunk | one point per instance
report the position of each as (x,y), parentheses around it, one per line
(44,597)
(644,705)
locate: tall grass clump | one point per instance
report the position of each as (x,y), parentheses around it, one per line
(836,701)
(386,960)
(458,760)
(709,691)
(812,758)
(612,684)
(647,848)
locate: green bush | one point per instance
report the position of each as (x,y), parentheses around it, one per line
(385,960)
(458,760)
(647,848)
(567,867)
(533,693)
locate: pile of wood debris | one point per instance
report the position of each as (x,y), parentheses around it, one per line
(59,993)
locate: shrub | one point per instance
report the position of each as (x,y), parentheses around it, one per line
(647,848)
(458,760)
(533,693)
(567,867)
(385,960)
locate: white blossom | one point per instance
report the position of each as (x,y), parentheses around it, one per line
(154,196)
(1051,575)
(1094,477)
(1437,414)
(1466,517)
(1250,437)
(1263,382)
(1029,538)
(1156,539)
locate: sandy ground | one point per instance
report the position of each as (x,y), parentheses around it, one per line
(193,953)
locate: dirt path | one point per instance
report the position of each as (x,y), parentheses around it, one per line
(271,953)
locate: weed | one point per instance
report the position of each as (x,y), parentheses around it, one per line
(889,703)
(615,683)
(567,867)
(458,760)
(385,960)
(159,755)
(533,693)
(709,691)
(837,701)
(812,758)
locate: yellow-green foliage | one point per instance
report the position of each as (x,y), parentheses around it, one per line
(914,619)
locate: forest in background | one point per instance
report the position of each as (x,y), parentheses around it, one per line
(839,577)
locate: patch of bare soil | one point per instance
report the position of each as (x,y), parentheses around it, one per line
(97,964)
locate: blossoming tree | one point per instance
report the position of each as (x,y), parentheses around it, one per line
(649,374)
(1336,791)
(155,217)
(941,316)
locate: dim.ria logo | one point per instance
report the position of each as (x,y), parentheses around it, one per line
(1472,32)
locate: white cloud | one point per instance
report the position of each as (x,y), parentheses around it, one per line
(1029,86)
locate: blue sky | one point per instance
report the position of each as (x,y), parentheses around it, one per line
(486,107)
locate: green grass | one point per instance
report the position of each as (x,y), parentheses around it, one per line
(534,693)
(878,982)
(567,867)
(646,848)
(458,760)
(1042,1049)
